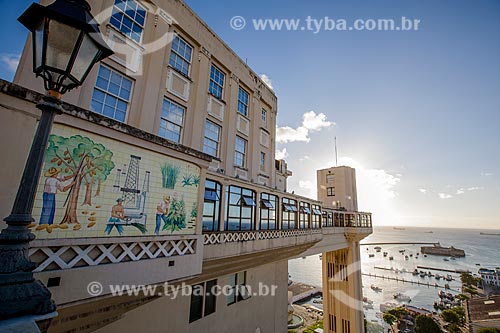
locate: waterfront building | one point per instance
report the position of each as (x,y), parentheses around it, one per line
(161,170)
(337,188)
(483,312)
(490,276)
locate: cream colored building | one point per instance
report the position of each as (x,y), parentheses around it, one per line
(175,119)
(337,188)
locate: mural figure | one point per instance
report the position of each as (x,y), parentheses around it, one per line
(176,217)
(117,215)
(53,183)
(161,212)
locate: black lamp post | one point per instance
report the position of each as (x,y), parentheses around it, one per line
(66,45)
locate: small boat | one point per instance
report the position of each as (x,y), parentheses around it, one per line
(391,258)
(437,277)
(478,264)
(429,232)
(366,300)
(415,272)
(449,277)
(385,254)
(378,248)
(453,258)
(406,257)
(446,259)
(304,257)
(422,274)
(371,255)
(402,251)
(425,255)
(447,286)
(375,288)
(402,297)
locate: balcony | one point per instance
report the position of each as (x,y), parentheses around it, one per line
(228,251)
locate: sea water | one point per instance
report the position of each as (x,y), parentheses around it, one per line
(479,249)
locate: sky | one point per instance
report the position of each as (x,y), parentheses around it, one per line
(417,112)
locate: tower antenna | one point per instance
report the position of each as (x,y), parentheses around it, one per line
(336,160)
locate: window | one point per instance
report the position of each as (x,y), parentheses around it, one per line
(243,102)
(264,117)
(316,217)
(289,215)
(111,94)
(216,82)
(240,208)
(171,121)
(262,161)
(330,191)
(202,300)
(327,219)
(268,211)
(211,206)
(330,178)
(211,140)
(239,152)
(128,17)
(180,55)
(304,215)
(239,291)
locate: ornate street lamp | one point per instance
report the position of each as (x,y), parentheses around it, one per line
(66,45)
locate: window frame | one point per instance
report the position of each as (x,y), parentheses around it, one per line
(330,191)
(205,138)
(268,211)
(124,13)
(262,161)
(206,295)
(241,103)
(169,121)
(180,56)
(289,214)
(239,211)
(107,92)
(238,153)
(304,215)
(263,116)
(240,283)
(215,83)
(215,215)
(316,216)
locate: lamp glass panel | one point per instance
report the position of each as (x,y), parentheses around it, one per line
(61,42)
(85,58)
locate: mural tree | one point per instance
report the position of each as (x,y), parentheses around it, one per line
(86,161)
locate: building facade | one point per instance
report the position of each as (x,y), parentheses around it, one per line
(337,188)
(490,276)
(161,170)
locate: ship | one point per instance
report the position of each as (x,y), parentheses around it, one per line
(439,250)
(398,228)
(488,234)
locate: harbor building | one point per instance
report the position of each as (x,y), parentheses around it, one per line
(483,312)
(490,276)
(161,170)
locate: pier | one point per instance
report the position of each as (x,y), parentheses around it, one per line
(427,284)
(458,271)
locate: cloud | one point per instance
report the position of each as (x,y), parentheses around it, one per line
(267,80)
(460,191)
(444,196)
(10,61)
(305,158)
(305,184)
(475,188)
(486,174)
(311,122)
(281,154)
(422,190)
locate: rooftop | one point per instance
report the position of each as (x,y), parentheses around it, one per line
(484,308)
